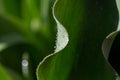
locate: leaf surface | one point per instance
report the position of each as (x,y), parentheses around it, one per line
(111,46)
(3,74)
(81,59)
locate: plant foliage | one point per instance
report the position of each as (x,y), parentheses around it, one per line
(59,40)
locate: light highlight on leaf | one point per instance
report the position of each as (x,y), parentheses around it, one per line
(61,42)
(109,42)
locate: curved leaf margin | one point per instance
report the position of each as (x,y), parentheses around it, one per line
(108,41)
(61,42)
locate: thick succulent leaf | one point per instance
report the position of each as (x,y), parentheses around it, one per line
(3,74)
(81,59)
(111,46)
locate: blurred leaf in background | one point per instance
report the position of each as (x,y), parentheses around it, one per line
(26,26)
(3,74)
(87,23)
(28,34)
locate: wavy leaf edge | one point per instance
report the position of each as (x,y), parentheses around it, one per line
(61,41)
(108,41)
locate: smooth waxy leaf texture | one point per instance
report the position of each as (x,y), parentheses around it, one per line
(81,27)
(111,46)
(82,58)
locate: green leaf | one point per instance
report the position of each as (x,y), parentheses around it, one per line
(11,7)
(3,74)
(87,23)
(61,42)
(111,46)
(14,75)
(9,40)
(10,10)
(12,58)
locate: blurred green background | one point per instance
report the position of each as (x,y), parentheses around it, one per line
(28,34)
